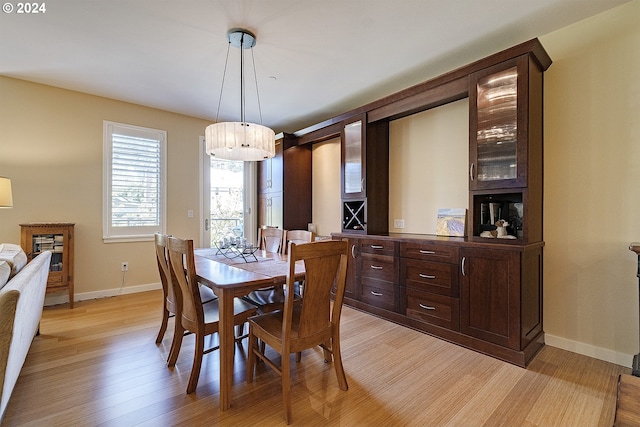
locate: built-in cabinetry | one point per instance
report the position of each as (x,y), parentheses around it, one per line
(365,176)
(505,147)
(482,293)
(58,239)
(284,186)
(482,296)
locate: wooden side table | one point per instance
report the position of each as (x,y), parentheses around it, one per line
(58,239)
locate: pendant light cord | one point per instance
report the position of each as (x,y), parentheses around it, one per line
(255,78)
(224,74)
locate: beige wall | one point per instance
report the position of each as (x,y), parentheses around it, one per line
(592,173)
(325,193)
(51,148)
(428,164)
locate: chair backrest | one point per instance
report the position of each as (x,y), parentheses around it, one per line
(165,272)
(271,239)
(325,265)
(182,262)
(298,237)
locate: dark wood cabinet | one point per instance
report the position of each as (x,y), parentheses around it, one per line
(482,293)
(284,186)
(501,296)
(505,147)
(483,296)
(365,176)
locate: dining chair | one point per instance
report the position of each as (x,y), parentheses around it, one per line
(270,298)
(297,237)
(311,323)
(169,308)
(271,239)
(200,319)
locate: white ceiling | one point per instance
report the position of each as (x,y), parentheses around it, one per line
(314,59)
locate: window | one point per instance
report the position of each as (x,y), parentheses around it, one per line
(133,182)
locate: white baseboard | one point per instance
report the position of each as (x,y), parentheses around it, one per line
(600,353)
(64,299)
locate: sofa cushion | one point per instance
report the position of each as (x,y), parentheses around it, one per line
(14,256)
(5,272)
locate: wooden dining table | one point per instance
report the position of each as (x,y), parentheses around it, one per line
(231,277)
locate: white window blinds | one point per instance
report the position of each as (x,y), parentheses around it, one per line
(134,182)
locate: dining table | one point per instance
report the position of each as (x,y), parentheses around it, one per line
(231,276)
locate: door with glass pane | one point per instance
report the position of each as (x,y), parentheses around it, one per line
(227,200)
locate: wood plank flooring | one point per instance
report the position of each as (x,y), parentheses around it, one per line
(98,365)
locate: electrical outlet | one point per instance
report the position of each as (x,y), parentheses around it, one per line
(125,266)
(398,223)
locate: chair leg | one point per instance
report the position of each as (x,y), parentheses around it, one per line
(197,364)
(176,343)
(337,363)
(327,353)
(163,325)
(251,357)
(286,387)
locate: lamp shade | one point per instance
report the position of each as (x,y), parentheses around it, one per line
(6,200)
(240,141)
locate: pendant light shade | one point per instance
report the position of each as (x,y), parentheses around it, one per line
(240,140)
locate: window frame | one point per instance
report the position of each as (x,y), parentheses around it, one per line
(112,234)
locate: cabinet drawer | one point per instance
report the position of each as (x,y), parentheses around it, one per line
(380,267)
(437,277)
(379,294)
(54,278)
(429,252)
(433,308)
(375,246)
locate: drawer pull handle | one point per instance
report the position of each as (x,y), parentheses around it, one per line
(353,251)
(464,260)
(377,247)
(426,307)
(376,294)
(427,276)
(376,267)
(422,251)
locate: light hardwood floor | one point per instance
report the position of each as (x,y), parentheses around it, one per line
(98,365)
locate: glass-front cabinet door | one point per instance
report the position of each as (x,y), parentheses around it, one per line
(353,172)
(497,129)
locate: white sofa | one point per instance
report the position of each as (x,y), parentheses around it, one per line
(22,290)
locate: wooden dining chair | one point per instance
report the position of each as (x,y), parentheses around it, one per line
(311,323)
(169,308)
(272,297)
(271,239)
(298,237)
(200,319)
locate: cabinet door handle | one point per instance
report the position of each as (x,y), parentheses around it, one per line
(376,294)
(377,247)
(464,259)
(422,251)
(376,267)
(427,276)
(426,307)
(471,172)
(353,251)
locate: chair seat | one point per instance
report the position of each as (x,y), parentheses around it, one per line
(270,299)
(206,294)
(212,311)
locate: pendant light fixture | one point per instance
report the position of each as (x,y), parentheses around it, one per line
(240,140)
